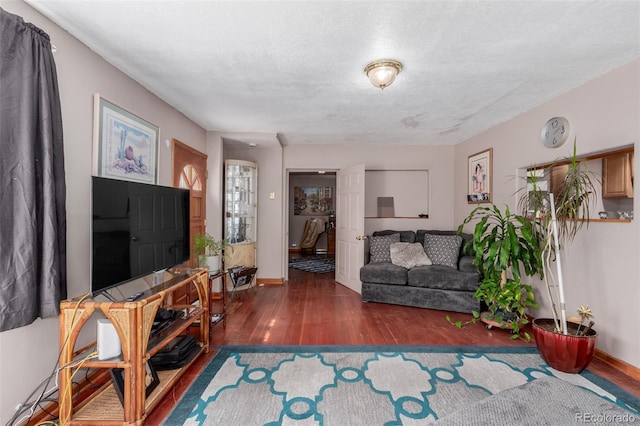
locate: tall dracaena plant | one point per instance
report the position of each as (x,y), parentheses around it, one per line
(558,219)
(574,199)
(504,242)
(505,246)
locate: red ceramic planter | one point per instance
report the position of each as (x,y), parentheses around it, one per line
(570,354)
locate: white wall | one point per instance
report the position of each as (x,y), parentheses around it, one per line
(601,266)
(215,176)
(408,189)
(271,241)
(28,354)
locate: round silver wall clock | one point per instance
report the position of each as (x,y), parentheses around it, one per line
(555,132)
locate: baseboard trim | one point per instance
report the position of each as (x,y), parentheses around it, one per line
(618,364)
(270,281)
(295,250)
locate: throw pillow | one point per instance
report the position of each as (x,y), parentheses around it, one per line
(379,247)
(443,249)
(408,255)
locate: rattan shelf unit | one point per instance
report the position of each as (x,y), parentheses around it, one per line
(133,322)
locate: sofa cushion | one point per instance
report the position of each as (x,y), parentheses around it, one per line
(443,249)
(465,264)
(408,255)
(405,236)
(442,277)
(430,298)
(420,233)
(383,273)
(379,247)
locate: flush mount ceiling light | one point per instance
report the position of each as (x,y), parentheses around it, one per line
(383,72)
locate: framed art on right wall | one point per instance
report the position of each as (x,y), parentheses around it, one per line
(480,177)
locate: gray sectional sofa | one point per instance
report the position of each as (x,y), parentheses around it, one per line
(448,283)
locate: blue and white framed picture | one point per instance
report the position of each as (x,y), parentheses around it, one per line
(125,146)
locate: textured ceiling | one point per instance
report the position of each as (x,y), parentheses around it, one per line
(259,69)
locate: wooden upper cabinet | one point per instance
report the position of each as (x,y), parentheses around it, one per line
(556,178)
(617,176)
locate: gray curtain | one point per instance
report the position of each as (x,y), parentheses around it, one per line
(33,275)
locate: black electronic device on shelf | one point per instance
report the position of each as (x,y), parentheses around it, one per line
(164,318)
(176,354)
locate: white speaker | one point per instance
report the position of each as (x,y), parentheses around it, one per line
(108,341)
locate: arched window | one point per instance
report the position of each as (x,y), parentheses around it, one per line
(190,178)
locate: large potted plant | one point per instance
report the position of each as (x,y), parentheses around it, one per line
(505,247)
(208,251)
(566,344)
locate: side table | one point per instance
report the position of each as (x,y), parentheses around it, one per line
(331,242)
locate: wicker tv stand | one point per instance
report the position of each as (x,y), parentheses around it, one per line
(133,321)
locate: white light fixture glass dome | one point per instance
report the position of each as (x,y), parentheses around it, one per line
(383,72)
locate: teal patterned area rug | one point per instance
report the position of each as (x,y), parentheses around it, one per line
(320,264)
(366,385)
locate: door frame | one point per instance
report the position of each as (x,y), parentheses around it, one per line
(176,144)
(287,206)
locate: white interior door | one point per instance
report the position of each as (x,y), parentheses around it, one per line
(350,226)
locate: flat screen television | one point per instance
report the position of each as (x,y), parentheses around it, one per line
(136,229)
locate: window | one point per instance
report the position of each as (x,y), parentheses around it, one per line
(190,178)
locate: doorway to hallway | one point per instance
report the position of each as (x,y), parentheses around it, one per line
(311,220)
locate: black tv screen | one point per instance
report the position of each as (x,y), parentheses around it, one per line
(136,229)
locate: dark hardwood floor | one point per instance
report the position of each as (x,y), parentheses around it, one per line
(312,309)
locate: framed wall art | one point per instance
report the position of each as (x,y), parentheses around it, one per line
(480,177)
(312,200)
(125,146)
